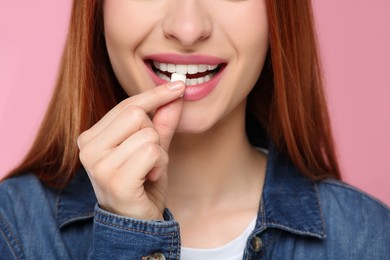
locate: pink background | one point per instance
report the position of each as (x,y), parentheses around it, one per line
(354,40)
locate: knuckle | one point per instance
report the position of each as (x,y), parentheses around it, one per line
(134,112)
(125,103)
(151,135)
(86,155)
(83,156)
(152,150)
(165,160)
(83,139)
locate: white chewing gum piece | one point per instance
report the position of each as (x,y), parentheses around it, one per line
(177,77)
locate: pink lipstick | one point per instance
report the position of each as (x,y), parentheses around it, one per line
(202,72)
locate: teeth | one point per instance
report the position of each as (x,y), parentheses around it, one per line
(162,67)
(183,68)
(162,76)
(203,68)
(192,69)
(192,82)
(171,68)
(189,82)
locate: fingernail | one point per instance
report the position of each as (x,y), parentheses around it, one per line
(177,85)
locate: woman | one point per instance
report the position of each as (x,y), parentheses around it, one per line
(252,168)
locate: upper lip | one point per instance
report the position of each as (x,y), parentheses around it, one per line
(185,59)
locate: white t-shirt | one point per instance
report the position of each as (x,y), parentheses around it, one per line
(233,250)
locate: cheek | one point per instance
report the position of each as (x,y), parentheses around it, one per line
(127,26)
(128,23)
(248,36)
(123,32)
(252,46)
(114,26)
(251,35)
(247,29)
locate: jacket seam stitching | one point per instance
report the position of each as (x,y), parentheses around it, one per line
(302,232)
(128,220)
(321,213)
(7,238)
(135,230)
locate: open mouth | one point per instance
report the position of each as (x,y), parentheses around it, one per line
(195,73)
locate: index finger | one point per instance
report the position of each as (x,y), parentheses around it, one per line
(148,101)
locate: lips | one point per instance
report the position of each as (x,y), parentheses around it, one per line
(195,73)
(202,72)
(193,66)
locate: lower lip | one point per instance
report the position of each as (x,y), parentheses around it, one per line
(194,92)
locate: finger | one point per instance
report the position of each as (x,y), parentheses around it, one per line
(118,156)
(110,162)
(148,101)
(156,172)
(144,159)
(165,121)
(129,121)
(127,183)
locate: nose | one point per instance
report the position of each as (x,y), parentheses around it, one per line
(187,22)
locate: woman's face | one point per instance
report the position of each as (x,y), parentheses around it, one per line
(219,44)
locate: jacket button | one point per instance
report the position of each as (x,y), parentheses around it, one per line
(256,244)
(155,256)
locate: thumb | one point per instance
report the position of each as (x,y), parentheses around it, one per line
(165,121)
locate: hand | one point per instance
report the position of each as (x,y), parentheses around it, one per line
(126,153)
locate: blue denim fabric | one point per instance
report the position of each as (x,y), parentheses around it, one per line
(297,219)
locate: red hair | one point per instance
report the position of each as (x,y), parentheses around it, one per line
(288,99)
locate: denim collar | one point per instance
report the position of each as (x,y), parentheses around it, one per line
(290,201)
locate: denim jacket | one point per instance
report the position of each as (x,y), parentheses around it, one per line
(297,219)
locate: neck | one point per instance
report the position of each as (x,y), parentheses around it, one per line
(213,169)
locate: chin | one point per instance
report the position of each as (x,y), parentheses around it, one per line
(194,127)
